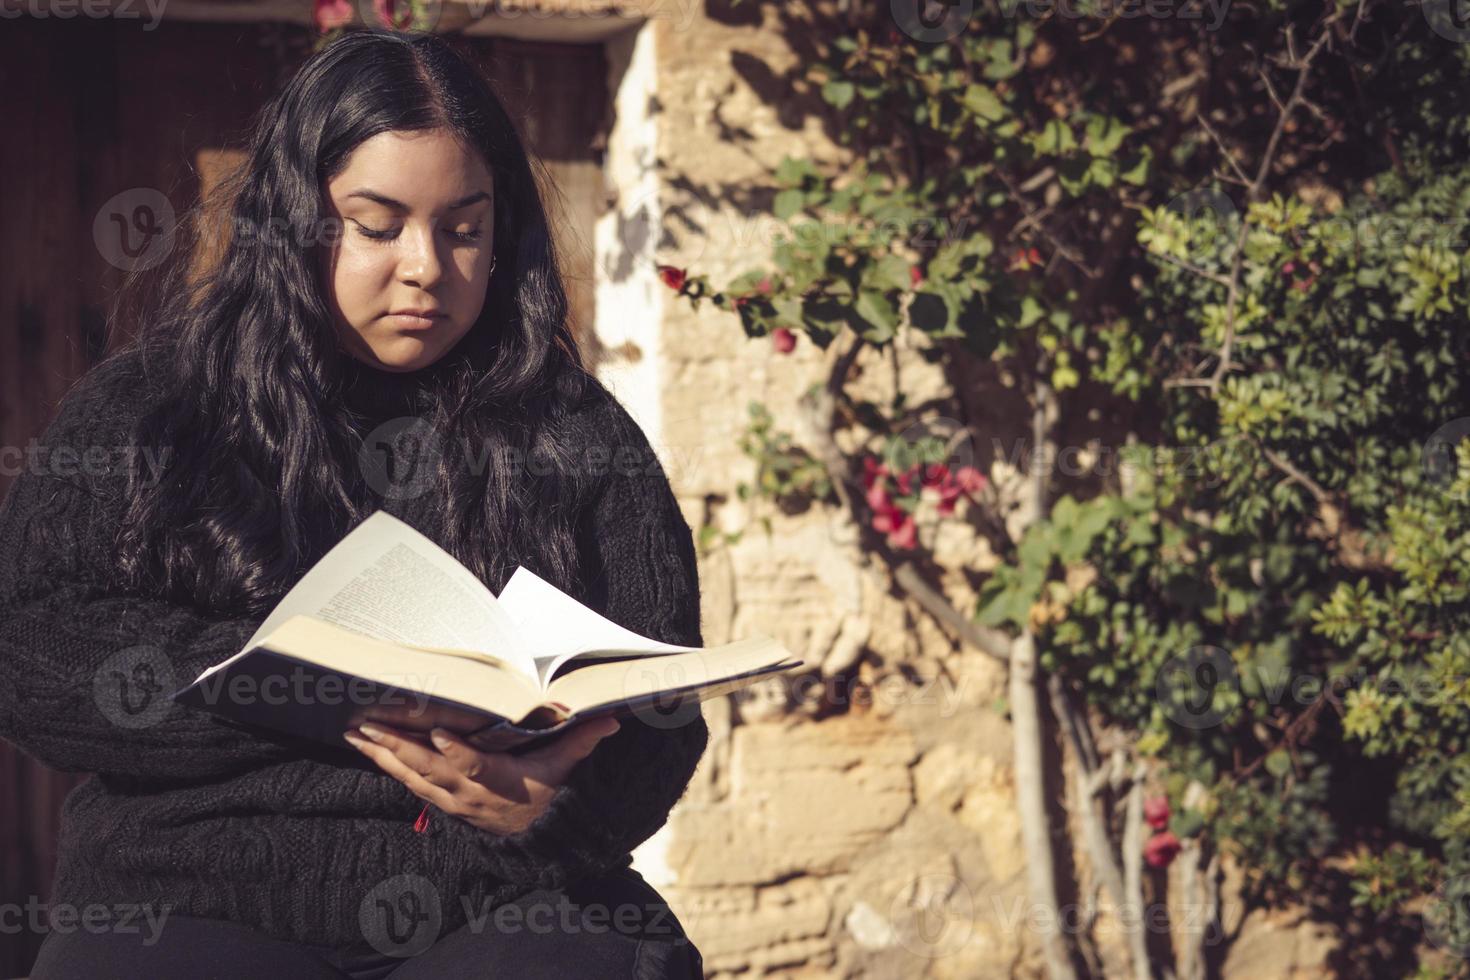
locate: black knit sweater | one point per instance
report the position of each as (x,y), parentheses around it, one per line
(188,813)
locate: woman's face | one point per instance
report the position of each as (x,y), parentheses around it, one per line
(410,267)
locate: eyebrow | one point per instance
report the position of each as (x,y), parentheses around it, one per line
(389,202)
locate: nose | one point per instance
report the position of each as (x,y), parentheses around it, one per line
(420,264)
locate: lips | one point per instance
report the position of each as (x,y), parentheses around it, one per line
(415,319)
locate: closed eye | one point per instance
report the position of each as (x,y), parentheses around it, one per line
(388,234)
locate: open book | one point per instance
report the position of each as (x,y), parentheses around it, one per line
(388,626)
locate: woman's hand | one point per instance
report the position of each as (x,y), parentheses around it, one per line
(494,791)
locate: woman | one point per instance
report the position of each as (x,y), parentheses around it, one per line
(389,273)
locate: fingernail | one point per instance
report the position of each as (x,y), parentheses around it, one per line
(440,738)
(354,739)
(372,731)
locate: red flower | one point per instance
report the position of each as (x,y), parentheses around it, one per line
(1156,812)
(784,340)
(948,494)
(330,14)
(903,479)
(877,498)
(397,14)
(916,275)
(905,535)
(673,276)
(971,481)
(886,521)
(936,475)
(873,471)
(1024,258)
(764,285)
(1161,849)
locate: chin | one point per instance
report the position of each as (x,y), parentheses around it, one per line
(406,353)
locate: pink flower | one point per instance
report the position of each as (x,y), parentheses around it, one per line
(672,276)
(331,14)
(1156,812)
(783,340)
(971,481)
(878,498)
(1161,849)
(886,521)
(905,535)
(916,275)
(397,14)
(903,479)
(764,286)
(936,475)
(873,471)
(948,495)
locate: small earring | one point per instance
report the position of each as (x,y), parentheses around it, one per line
(492,266)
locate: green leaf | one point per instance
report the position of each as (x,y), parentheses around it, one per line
(880,316)
(839,94)
(788,203)
(981,101)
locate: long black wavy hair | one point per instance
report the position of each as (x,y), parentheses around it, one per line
(263,473)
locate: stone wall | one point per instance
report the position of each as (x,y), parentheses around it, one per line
(855,819)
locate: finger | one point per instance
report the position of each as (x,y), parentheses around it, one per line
(422,760)
(394,767)
(470,761)
(572,746)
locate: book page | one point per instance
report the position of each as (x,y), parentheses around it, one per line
(452,676)
(612,682)
(558,628)
(386,580)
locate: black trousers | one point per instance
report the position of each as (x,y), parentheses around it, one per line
(615,927)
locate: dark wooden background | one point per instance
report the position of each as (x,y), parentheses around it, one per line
(98,107)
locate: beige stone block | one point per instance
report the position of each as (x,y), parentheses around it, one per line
(808,798)
(981,793)
(783,924)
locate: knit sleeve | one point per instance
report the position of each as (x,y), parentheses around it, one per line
(645,577)
(85,672)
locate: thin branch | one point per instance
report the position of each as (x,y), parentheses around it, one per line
(1224,150)
(1062,249)
(1263,172)
(992,643)
(1190,267)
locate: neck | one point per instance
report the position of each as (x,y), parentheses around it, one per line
(377,394)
